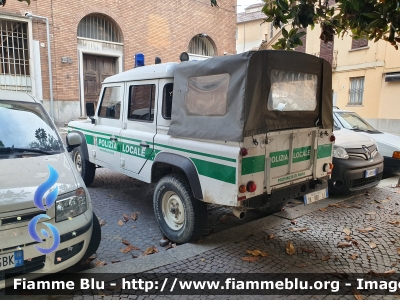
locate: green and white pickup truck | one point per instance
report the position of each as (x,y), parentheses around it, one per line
(248,131)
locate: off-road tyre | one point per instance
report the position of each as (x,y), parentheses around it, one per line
(84,167)
(175,189)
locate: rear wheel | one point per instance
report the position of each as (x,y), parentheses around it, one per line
(84,167)
(181,217)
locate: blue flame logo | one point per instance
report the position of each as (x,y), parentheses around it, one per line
(38,201)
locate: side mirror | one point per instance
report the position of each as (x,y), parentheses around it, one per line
(90,112)
(73,140)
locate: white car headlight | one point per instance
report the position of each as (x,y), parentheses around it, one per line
(71,205)
(340,152)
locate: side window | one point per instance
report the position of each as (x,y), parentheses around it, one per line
(141,102)
(110,106)
(167,101)
(207,95)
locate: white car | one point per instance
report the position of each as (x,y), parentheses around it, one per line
(388,144)
(46,218)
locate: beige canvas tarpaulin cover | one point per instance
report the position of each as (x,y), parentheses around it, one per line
(247,113)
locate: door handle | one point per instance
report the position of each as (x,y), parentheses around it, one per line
(144,145)
(113,139)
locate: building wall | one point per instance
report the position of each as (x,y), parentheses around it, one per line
(251,34)
(162,28)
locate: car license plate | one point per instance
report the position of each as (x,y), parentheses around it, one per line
(370,173)
(11,260)
(315,196)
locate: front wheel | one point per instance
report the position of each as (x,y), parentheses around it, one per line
(84,167)
(181,217)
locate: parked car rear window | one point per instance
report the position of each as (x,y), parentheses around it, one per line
(292,91)
(26,125)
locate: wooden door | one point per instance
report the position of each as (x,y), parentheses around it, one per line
(95,70)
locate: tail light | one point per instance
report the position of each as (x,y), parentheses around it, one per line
(328,168)
(396,154)
(242,189)
(251,186)
(333,138)
(243,151)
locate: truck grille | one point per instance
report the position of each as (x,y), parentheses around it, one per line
(365,153)
(33,265)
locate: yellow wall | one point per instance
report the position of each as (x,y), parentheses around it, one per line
(250,35)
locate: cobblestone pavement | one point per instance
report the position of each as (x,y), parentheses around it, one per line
(374,241)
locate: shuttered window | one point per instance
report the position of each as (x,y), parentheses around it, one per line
(355,44)
(356,90)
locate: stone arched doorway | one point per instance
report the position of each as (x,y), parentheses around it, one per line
(100,47)
(201,47)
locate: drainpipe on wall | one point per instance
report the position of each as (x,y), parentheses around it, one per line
(30,15)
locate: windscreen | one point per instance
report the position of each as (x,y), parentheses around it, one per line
(351,120)
(27,126)
(292,91)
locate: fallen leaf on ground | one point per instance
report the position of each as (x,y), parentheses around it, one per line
(93,257)
(356,206)
(126,217)
(390,272)
(344,244)
(389,198)
(323,209)
(393,264)
(395,222)
(347,231)
(121,223)
(308,250)
(270,236)
(368,257)
(372,244)
(125,242)
(133,226)
(354,256)
(348,238)
(290,248)
(294,222)
(225,217)
(102,222)
(355,243)
(300,229)
(357,294)
(129,248)
(346,206)
(326,257)
(203,259)
(366,194)
(398,251)
(302,265)
(134,216)
(370,213)
(150,250)
(380,207)
(115,261)
(257,253)
(100,263)
(365,230)
(337,205)
(251,258)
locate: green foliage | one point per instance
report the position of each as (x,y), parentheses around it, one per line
(372,19)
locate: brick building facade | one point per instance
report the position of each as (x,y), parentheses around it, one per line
(109,35)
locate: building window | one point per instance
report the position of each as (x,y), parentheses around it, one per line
(14,56)
(356,90)
(201,45)
(97,27)
(360,43)
(271,31)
